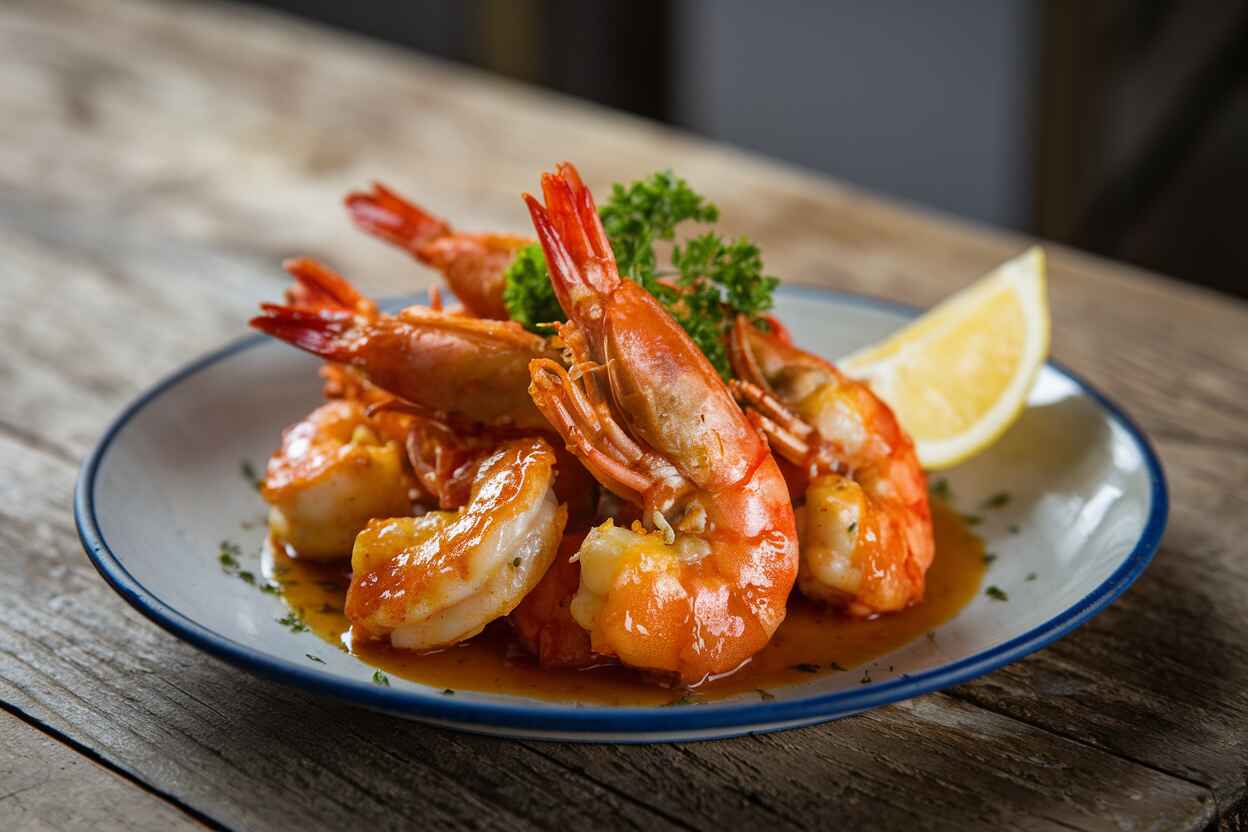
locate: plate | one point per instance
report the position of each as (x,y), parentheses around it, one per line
(163,487)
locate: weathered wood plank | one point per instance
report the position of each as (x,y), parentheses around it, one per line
(47,785)
(156,163)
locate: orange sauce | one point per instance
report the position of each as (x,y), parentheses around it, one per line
(812,640)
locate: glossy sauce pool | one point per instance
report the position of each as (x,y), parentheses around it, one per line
(811,640)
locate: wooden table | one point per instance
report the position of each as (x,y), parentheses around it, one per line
(157,161)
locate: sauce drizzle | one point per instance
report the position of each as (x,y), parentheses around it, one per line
(812,640)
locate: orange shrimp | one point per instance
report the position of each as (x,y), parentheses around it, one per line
(473,264)
(453,368)
(652,421)
(432,581)
(864,519)
(543,620)
(333,473)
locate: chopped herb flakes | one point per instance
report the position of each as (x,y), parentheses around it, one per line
(765,695)
(1014,529)
(996,593)
(989,557)
(249,473)
(228,555)
(316,659)
(931,636)
(515,562)
(866,677)
(687,699)
(837,666)
(448,692)
(998,500)
(1031,576)
(381,679)
(972,519)
(851,528)
(940,488)
(269,588)
(293,622)
(805,667)
(247,577)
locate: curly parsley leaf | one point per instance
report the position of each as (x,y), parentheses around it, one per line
(638,216)
(528,295)
(712,279)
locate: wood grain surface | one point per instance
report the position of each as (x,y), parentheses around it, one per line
(158,160)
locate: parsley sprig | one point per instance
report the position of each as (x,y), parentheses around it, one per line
(712,279)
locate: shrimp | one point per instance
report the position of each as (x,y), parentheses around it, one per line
(457,369)
(438,579)
(652,421)
(332,474)
(473,264)
(543,620)
(865,526)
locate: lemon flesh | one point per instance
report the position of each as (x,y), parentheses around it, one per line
(959,376)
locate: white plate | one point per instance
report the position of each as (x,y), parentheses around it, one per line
(163,488)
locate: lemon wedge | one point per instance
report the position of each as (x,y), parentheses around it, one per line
(959,376)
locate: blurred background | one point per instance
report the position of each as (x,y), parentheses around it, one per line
(1116,126)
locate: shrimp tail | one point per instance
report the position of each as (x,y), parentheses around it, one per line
(318,287)
(383,213)
(582,266)
(323,332)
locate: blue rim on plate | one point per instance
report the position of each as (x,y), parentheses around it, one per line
(732,718)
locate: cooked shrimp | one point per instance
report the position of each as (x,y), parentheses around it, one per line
(473,264)
(431,581)
(865,525)
(332,474)
(543,620)
(458,369)
(652,421)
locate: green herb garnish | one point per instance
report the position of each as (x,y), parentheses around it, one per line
(448,692)
(866,677)
(293,622)
(712,279)
(805,667)
(997,500)
(852,527)
(249,473)
(1014,529)
(269,588)
(996,593)
(989,557)
(527,294)
(380,678)
(316,659)
(764,695)
(972,519)
(247,577)
(838,667)
(515,562)
(227,556)
(940,488)
(687,699)
(1031,576)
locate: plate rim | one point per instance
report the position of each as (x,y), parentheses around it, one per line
(600,722)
